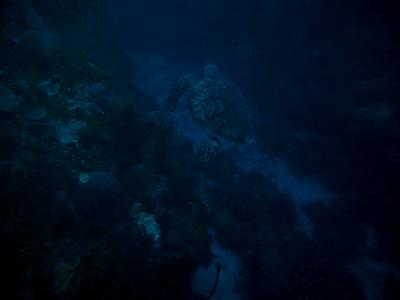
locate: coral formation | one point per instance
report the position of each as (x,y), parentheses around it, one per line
(72,125)
(146,223)
(68,133)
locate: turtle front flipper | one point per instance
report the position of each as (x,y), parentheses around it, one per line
(177,90)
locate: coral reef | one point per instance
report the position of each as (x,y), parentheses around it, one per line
(146,223)
(101,197)
(98,199)
(68,133)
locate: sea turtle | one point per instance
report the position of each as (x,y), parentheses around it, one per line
(217,105)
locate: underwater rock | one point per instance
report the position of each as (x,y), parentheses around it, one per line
(13,171)
(99,185)
(157,188)
(64,263)
(68,133)
(64,207)
(49,87)
(61,197)
(96,89)
(139,180)
(371,274)
(136,178)
(36,114)
(99,200)
(205,278)
(9,137)
(37,26)
(65,276)
(27,30)
(9,102)
(80,101)
(378,112)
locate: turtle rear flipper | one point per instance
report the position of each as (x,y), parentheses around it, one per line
(177,90)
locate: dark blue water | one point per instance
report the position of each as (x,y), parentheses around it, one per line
(181,149)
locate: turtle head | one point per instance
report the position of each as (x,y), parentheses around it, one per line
(211,70)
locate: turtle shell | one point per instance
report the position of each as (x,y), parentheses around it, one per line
(219,106)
